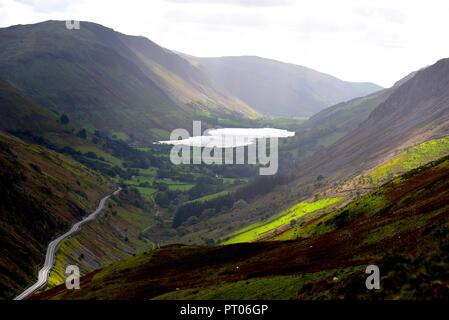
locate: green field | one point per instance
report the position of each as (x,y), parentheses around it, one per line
(147,192)
(100,153)
(122,136)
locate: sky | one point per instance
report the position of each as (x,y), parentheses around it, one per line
(355,40)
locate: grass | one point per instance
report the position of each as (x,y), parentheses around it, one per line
(159,133)
(211,196)
(147,192)
(122,136)
(180,187)
(369,203)
(150,172)
(412,158)
(283,287)
(100,153)
(266,288)
(254,231)
(281,122)
(139,180)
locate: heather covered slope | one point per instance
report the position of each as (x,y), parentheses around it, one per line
(276,88)
(42,194)
(403,227)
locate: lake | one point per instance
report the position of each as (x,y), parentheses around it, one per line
(230,137)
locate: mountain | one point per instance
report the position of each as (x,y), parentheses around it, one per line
(108,81)
(185,82)
(276,88)
(331,124)
(403,227)
(416,111)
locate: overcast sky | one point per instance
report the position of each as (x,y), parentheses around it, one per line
(379,41)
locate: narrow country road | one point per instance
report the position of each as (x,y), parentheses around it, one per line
(50,256)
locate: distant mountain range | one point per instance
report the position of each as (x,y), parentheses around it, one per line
(109,81)
(277,88)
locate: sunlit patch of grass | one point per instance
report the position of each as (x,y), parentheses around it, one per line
(254,231)
(100,153)
(412,158)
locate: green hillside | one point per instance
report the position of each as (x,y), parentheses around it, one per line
(284,219)
(403,227)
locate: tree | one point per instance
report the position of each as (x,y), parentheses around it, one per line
(240,204)
(191,221)
(64,119)
(82,134)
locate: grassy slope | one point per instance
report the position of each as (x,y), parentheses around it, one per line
(403,227)
(408,159)
(258,230)
(42,194)
(412,158)
(405,160)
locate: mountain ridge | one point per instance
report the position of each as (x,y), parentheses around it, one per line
(294,90)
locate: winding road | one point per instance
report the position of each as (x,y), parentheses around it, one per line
(50,256)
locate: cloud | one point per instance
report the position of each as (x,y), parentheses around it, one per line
(387,14)
(369,40)
(243,3)
(208,19)
(46,6)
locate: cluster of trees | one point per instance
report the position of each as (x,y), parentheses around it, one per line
(132,196)
(132,157)
(258,186)
(204,185)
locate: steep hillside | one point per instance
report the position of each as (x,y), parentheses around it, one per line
(277,88)
(42,194)
(20,113)
(415,112)
(96,79)
(118,233)
(332,124)
(185,82)
(403,227)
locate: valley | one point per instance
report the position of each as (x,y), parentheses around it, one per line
(361,179)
